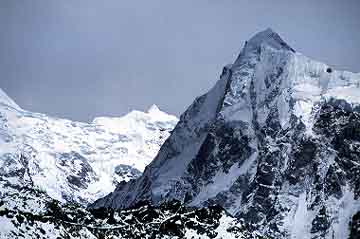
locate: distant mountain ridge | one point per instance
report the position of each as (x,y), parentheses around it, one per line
(75,161)
(276,142)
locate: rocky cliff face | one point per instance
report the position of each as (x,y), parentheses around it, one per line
(276,142)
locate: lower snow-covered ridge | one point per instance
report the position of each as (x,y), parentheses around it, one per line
(75,161)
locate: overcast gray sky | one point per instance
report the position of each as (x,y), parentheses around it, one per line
(84,58)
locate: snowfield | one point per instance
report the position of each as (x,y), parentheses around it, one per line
(76,161)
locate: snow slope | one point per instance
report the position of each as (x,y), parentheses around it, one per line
(6,100)
(75,161)
(275,142)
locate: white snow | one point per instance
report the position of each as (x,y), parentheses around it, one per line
(221,231)
(223,181)
(133,139)
(6,100)
(344,209)
(6,227)
(300,225)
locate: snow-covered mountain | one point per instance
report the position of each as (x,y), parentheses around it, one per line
(75,161)
(276,142)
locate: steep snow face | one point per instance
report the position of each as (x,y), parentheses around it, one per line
(75,161)
(5,100)
(163,175)
(275,142)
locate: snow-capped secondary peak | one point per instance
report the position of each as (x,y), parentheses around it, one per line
(153,108)
(157,114)
(139,122)
(275,142)
(6,100)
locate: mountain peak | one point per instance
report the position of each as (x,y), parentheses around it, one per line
(153,108)
(267,37)
(259,142)
(271,38)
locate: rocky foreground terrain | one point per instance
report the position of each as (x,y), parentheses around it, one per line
(29,213)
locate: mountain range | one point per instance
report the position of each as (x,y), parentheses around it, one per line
(271,151)
(75,161)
